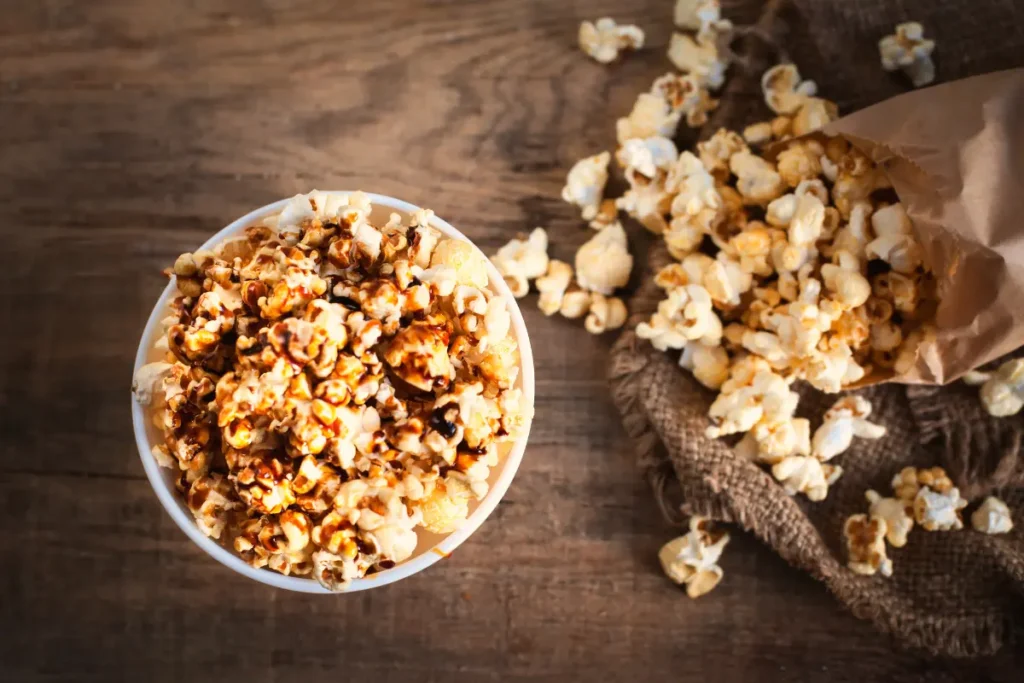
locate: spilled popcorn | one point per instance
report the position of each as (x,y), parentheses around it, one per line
(692,559)
(909,51)
(331,385)
(603,40)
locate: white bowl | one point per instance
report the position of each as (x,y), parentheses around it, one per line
(431,548)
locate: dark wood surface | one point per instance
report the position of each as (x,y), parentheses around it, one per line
(129,131)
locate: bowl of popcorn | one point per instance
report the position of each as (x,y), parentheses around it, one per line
(333,392)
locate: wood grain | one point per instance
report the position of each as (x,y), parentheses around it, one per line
(130,131)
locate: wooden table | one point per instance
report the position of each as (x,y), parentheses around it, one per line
(132,130)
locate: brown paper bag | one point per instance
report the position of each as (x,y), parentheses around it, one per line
(955,156)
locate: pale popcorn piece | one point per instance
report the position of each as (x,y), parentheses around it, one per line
(686,315)
(974,378)
(898,516)
(908,50)
(447,507)
(603,40)
(700,56)
(522,260)
(606,313)
(647,156)
(753,248)
(846,283)
(716,151)
(647,201)
(813,115)
(552,286)
(607,214)
(758,133)
(895,242)
(692,15)
(784,91)
(726,281)
(1003,393)
(148,379)
(992,517)
(757,180)
(692,559)
(865,545)
(469,264)
(775,440)
(575,303)
(658,112)
(584,186)
(752,393)
(935,511)
(604,263)
(709,364)
(806,475)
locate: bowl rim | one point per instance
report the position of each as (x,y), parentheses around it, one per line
(183,517)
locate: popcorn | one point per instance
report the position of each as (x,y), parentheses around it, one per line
(575,304)
(800,162)
(469,264)
(585,183)
(709,364)
(692,559)
(646,156)
(604,263)
(606,313)
(552,286)
(939,511)
(807,475)
(757,180)
(522,260)
(658,112)
(784,92)
(865,545)
(700,56)
(758,133)
(992,517)
(909,51)
(846,419)
(686,315)
(895,242)
(695,14)
(909,481)
(748,396)
(604,39)
(716,151)
(331,356)
(898,516)
(1002,393)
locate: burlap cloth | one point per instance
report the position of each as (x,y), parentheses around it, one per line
(955,593)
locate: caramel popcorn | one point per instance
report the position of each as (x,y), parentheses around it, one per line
(604,39)
(336,385)
(865,545)
(692,559)
(992,517)
(908,50)
(659,111)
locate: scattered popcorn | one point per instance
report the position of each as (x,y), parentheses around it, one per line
(784,91)
(909,51)
(898,516)
(522,260)
(709,364)
(843,421)
(865,545)
(604,262)
(646,156)
(686,315)
(659,111)
(992,517)
(806,475)
(936,511)
(1002,391)
(316,387)
(692,559)
(604,39)
(699,56)
(575,304)
(584,186)
(909,481)
(552,286)
(695,14)
(606,313)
